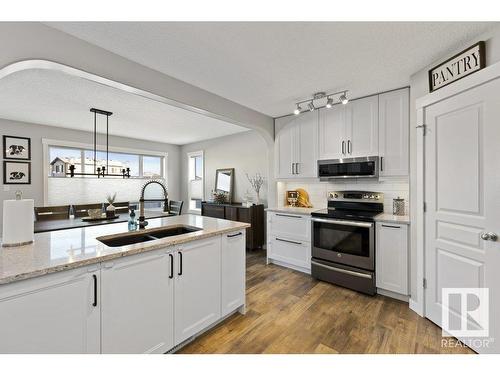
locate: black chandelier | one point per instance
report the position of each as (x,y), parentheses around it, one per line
(99,171)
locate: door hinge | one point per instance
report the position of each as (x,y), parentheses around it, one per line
(424,128)
(424,283)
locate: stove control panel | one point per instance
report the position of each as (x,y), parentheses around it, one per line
(356,196)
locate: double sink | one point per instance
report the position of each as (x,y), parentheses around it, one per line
(145,236)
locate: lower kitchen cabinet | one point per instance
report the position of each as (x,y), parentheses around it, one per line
(197,291)
(137,313)
(233,271)
(56,313)
(391,260)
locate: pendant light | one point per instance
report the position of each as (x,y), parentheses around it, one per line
(104,170)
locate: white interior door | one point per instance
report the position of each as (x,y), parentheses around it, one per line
(462,194)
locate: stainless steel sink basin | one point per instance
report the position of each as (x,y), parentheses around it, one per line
(145,236)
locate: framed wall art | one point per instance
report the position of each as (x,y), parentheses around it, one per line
(17,148)
(16,172)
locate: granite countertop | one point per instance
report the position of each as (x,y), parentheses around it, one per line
(72,248)
(294,210)
(390,218)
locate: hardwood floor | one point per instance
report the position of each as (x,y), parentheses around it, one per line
(290,312)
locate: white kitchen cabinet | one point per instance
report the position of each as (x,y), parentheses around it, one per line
(197,290)
(361,131)
(288,225)
(331,134)
(289,240)
(394,117)
(137,303)
(391,258)
(56,313)
(349,130)
(233,271)
(296,146)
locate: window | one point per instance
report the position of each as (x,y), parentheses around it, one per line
(141,166)
(62,189)
(195,180)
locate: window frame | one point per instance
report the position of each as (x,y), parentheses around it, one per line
(47,143)
(189,156)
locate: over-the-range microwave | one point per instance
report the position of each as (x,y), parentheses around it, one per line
(361,167)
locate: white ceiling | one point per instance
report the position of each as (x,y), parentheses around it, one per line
(268,66)
(53,98)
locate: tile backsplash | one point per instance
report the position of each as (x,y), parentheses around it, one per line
(318,191)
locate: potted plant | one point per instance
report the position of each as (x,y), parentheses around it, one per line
(110,210)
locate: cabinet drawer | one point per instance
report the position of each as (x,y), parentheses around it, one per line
(292,252)
(289,226)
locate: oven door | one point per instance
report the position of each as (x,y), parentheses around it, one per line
(346,242)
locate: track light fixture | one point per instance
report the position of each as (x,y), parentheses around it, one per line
(320,95)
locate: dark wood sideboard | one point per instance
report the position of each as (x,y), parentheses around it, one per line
(254,215)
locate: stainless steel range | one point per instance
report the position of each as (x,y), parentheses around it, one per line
(343,240)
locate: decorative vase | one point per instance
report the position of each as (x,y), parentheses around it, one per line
(257,199)
(110,211)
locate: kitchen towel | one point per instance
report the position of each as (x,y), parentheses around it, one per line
(18,225)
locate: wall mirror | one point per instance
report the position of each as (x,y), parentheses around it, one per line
(224,182)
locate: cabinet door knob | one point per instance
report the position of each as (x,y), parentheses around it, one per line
(489,236)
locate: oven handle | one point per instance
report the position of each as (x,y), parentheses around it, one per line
(344,222)
(352,273)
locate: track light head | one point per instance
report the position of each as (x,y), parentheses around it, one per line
(310,105)
(297,110)
(343,98)
(329,103)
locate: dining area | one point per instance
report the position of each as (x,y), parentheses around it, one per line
(52,218)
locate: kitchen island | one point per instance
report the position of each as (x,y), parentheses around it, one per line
(68,292)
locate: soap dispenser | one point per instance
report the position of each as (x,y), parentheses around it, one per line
(132,223)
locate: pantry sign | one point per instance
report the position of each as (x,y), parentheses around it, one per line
(459,66)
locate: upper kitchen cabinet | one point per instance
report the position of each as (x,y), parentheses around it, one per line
(361,127)
(332,143)
(296,145)
(349,130)
(393,133)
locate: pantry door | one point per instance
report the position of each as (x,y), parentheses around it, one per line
(462,196)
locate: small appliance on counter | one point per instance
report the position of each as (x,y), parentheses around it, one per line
(297,198)
(343,240)
(18,221)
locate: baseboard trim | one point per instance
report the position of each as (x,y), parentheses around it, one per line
(417,307)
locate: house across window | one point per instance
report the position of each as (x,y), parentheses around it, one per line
(141,166)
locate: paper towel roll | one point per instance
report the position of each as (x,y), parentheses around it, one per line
(18,226)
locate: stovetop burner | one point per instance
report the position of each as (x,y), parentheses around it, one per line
(352,205)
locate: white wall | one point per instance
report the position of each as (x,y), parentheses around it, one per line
(419,86)
(245,152)
(36,132)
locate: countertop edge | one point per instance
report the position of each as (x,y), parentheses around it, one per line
(162,243)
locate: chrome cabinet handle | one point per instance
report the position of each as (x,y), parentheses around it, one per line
(180,264)
(489,236)
(343,147)
(348,272)
(296,168)
(171,276)
(391,226)
(285,215)
(381,163)
(292,168)
(349,151)
(234,235)
(294,242)
(94,277)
